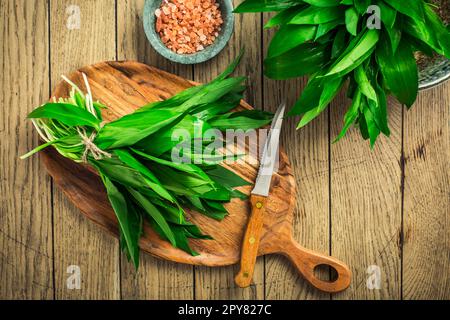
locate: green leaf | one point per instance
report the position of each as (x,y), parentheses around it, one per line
(379,111)
(317,15)
(361,6)
(134,127)
(283,17)
(364,84)
(192,231)
(130,222)
(351,21)
(420,30)
(442,34)
(68,114)
(153,183)
(358,50)
(183,167)
(351,115)
(211,93)
(153,212)
(325,28)
(323,3)
(226,177)
(182,241)
(162,140)
(339,43)
(363,125)
(372,128)
(330,89)
(302,60)
(388,15)
(309,98)
(264,6)
(243,120)
(395,35)
(118,171)
(221,106)
(289,37)
(411,8)
(399,72)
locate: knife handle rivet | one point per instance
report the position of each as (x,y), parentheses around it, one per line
(251,240)
(259,205)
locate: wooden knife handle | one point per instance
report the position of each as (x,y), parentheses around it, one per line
(306,261)
(250,245)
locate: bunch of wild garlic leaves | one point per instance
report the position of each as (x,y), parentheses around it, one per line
(368,43)
(132,155)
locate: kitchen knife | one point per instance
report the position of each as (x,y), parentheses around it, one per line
(258,197)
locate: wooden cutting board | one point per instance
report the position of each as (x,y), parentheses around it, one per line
(125,86)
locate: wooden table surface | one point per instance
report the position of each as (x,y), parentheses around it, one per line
(385,212)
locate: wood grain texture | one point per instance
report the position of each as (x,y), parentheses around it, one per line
(307,150)
(156,278)
(77,240)
(26,258)
(212,283)
(366,205)
(365,187)
(426,252)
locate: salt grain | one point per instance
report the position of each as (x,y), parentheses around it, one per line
(187,26)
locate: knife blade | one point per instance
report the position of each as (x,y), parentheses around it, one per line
(267,167)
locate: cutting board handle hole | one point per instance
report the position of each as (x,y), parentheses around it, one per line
(325,272)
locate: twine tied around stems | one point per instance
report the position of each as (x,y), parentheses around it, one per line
(90,146)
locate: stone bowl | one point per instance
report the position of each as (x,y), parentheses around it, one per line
(434,73)
(226,8)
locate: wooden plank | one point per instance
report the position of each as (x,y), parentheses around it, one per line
(156,279)
(366,206)
(426,255)
(26,265)
(218,283)
(78,241)
(307,150)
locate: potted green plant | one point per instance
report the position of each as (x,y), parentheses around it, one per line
(370,45)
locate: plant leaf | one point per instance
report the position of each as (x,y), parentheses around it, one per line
(364,84)
(289,37)
(68,114)
(351,21)
(412,8)
(134,127)
(264,6)
(351,115)
(302,60)
(323,3)
(130,221)
(399,72)
(283,17)
(358,51)
(330,89)
(361,6)
(317,15)
(153,212)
